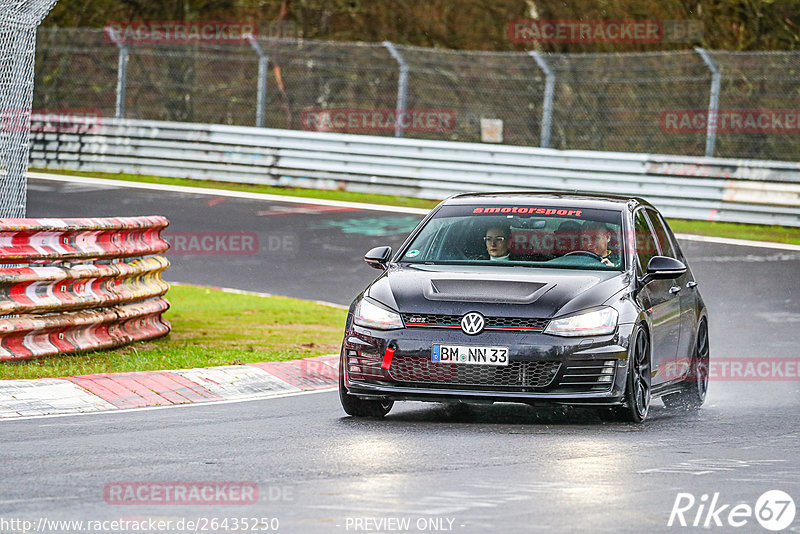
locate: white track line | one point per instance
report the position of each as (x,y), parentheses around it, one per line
(342,204)
(258,294)
(738,242)
(168,406)
(225,193)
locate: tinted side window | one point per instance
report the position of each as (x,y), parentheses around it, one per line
(646,246)
(661,233)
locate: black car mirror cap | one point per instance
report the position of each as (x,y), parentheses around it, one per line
(663,268)
(378,257)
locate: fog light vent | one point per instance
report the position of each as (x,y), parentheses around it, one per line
(589,376)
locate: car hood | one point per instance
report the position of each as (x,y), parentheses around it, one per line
(497,291)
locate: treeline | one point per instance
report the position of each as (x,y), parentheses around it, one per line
(462,24)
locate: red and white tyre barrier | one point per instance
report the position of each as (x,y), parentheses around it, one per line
(31,240)
(35,289)
(45,335)
(83,284)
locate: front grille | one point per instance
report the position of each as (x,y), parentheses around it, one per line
(423,320)
(588,376)
(418,369)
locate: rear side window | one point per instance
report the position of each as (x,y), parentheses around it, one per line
(646,246)
(664,242)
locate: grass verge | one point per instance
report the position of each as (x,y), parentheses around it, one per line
(755,232)
(348,196)
(209,328)
(778,234)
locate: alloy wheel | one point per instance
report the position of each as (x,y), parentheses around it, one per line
(640,371)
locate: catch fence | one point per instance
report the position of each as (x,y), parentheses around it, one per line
(18,22)
(608,102)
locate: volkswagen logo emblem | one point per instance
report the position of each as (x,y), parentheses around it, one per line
(472,323)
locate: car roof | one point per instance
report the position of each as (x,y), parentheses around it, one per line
(586,200)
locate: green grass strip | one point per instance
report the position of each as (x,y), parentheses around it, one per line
(209,327)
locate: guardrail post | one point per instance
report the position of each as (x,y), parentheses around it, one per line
(713,100)
(122,73)
(547,101)
(402,86)
(263,64)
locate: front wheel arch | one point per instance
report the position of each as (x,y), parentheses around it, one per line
(356,407)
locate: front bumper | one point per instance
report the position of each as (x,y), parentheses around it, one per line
(542,369)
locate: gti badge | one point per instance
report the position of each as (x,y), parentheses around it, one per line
(472,323)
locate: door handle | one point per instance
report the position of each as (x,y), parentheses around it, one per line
(692,284)
(675,290)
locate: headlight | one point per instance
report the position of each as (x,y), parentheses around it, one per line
(373,316)
(594,323)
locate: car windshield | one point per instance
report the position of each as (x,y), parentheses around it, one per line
(521,235)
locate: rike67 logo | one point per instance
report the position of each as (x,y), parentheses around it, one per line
(774,510)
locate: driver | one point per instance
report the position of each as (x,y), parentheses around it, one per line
(595,236)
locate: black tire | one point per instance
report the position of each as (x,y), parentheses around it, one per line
(359,407)
(638,386)
(695,387)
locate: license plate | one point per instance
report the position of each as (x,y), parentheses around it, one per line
(470,355)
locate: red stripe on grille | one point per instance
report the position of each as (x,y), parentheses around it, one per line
(427,325)
(513,328)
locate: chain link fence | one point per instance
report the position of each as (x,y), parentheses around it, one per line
(616,102)
(18,22)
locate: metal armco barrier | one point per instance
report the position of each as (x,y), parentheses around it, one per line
(85,284)
(31,240)
(103,328)
(749,191)
(41,289)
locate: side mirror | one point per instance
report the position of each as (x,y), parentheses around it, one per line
(663,268)
(378,257)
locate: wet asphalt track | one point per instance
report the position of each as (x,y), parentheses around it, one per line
(501,468)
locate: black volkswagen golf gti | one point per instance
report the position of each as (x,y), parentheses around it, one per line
(534,298)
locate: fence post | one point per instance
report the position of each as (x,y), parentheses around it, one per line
(122,73)
(263,64)
(713,100)
(18,23)
(547,101)
(402,85)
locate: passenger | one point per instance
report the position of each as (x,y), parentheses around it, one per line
(595,237)
(497,241)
